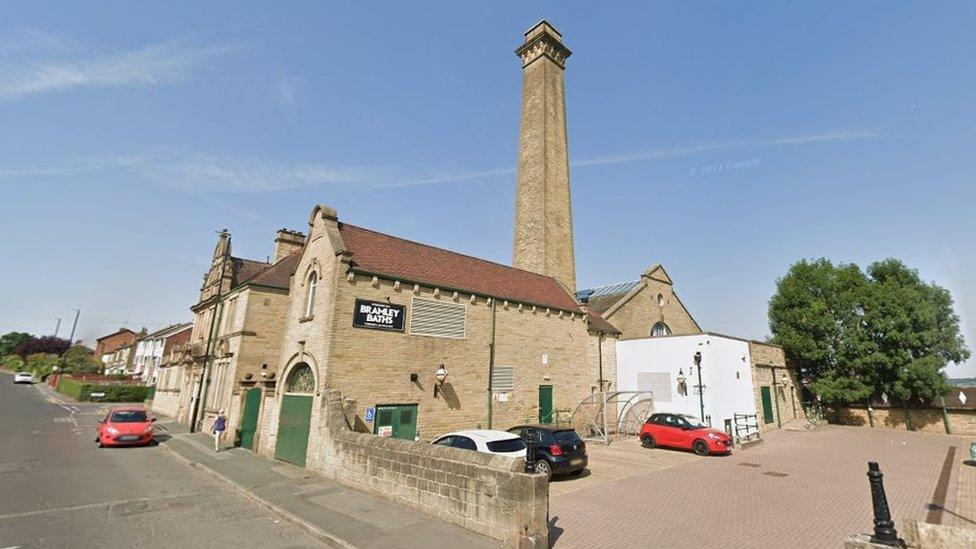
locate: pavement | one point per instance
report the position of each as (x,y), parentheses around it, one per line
(336,514)
(58,489)
(325,512)
(797,489)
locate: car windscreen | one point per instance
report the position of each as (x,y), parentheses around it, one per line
(507,445)
(568,436)
(128,416)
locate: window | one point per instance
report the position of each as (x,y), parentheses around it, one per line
(313,280)
(438,319)
(660,329)
(464,443)
(506,446)
(445,441)
(660,300)
(503,379)
(230,315)
(658,383)
(300,380)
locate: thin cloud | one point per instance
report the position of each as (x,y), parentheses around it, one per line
(709,147)
(64,67)
(249,175)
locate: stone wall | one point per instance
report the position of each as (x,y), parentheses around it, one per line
(768,361)
(483,493)
(166,402)
(635,318)
(929,420)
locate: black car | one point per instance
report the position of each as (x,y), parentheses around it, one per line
(557,450)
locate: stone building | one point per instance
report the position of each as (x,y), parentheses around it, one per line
(170,372)
(376,317)
(236,329)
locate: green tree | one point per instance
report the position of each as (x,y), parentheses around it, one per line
(854,335)
(10,341)
(42,364)
(13,363)
(80,360)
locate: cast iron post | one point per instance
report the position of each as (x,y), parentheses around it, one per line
(884,527)
(529,455)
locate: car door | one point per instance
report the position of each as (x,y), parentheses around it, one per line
(670,430)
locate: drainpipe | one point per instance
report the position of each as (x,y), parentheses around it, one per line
(210,337)
(945,417)
(701,388)
(491,359)
(779,421)
(599,352)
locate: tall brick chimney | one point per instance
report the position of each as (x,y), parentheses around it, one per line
(543,209)
(287,242)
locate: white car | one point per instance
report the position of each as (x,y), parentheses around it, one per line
(23,377)
(484,440)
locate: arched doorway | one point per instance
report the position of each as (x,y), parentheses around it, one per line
(296,415)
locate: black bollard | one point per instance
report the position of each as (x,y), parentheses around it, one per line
(884,527)
(529,455)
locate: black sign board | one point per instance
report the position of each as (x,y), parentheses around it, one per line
(378,315)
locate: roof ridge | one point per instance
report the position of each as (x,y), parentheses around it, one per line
(448,251)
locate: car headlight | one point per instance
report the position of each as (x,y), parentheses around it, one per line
(112,431)
(714,436)
(147,430)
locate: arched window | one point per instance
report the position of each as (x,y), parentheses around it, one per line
(313,280)
(660,300)
(660,329)
(300,380)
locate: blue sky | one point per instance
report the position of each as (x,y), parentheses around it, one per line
(723,141)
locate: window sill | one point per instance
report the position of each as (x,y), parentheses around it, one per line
(306,318)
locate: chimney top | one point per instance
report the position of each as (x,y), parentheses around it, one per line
(543,40)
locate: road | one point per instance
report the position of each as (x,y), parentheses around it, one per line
(58,489)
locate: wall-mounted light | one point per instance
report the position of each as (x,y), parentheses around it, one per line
(440,375)
(682,382)
(414,377)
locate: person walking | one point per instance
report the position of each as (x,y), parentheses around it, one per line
(219,426)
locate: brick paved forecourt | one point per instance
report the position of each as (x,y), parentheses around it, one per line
(798,489)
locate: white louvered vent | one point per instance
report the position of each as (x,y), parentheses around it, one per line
(438,319)
(658,383)
(503,379)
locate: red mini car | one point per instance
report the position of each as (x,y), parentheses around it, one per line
(125,427)
(684,431)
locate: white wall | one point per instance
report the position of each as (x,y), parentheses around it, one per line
(722,359)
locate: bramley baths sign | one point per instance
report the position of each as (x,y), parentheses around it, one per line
(378,315)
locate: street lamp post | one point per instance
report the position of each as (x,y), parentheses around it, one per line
(701,388)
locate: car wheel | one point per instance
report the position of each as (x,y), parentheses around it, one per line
(647,441)
(542,466)
(700,447)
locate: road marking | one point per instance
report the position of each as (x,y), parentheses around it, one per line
(96,505)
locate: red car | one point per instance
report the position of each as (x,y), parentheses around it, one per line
(684,431)
(125,427)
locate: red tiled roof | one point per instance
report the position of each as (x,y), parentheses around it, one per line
(279,274)
(600,324)
(380,254)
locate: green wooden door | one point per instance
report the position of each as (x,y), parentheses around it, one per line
(545,403)
(396,420)
(293,424)
(249,418)
(767,401)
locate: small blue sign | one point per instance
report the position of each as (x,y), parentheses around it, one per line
(370,415)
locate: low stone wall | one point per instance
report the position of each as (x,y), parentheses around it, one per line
(481,492)
(962,422)
(920,535)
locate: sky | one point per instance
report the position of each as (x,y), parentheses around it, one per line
(723,141)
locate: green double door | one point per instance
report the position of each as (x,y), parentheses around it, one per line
(293,425)
(249,418)
(396,420)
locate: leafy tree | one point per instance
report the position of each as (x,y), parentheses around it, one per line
(855,335)
(10,341)
(42,345)
(13,363)
(80,360)
(42,364)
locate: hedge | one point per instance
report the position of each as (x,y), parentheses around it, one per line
(80,390)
